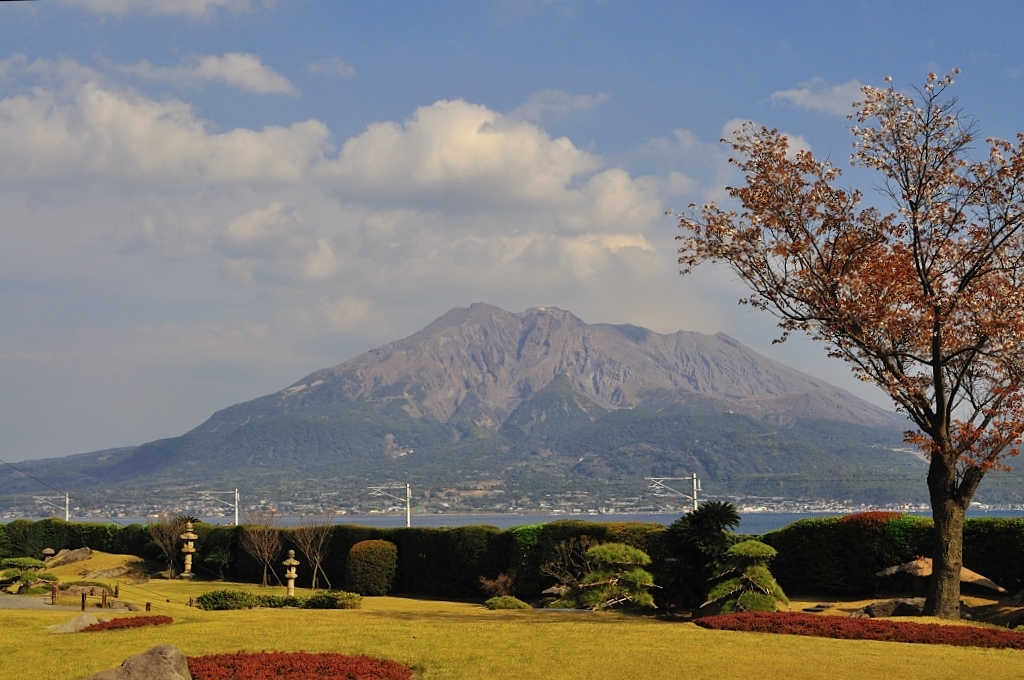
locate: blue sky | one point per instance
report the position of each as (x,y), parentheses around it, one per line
(205,200)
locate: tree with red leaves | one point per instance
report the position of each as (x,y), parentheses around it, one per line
(927,302)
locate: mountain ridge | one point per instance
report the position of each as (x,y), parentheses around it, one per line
(529,401)
(512,356)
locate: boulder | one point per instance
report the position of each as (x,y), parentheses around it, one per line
(910,606)
(69,556)
(74,625)
(163,662)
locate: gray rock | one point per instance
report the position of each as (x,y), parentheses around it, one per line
(74,625)
(69,556)
(910,606)
(163,662)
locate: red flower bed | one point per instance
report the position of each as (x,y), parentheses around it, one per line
(864,629)
(128,622)
(294,666)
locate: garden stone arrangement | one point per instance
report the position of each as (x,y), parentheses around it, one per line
(163,662)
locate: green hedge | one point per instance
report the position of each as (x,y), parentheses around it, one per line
(840,555)
(835,555)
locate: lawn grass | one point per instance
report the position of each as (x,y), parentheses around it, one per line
(459,640)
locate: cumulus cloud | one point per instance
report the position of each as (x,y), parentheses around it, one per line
(556,102)
(242,70)
(100,133)
(195,9)
(457,148)
(817,95)
(332,66)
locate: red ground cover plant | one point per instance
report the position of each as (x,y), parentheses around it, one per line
(864,629)
(128,622)
(294,666)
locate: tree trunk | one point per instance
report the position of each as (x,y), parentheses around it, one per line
(948,510)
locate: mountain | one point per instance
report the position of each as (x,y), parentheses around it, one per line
(525,402)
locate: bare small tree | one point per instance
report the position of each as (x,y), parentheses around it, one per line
(165,533)
(262,540)
(311,537)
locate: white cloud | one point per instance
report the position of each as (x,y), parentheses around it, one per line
(332,66)
(98,133)
(452,153)
(245,71)
(196,9)
(557,102)
(817,95)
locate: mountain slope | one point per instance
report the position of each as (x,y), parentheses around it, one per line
(532,400)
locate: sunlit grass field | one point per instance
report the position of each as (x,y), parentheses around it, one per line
(461,640)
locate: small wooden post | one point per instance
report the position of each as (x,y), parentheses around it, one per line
(149,606)
(103,601)
(53,594)
(117,591)
(83,601)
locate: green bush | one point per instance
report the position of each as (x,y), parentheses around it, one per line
(506,602)
(333,599)
(227,599)
(235,599)
(523,564)
(371,567)
(5,542)
(23,563)
(746,584)
(841,555)
(617,576)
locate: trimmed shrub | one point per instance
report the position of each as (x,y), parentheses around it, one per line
(506,602)
(23,563)
(523,562)
(371,566)
(289,665)
(128,622)
(841,555)
(235,599)
(612,574)
(746,584)
(227,599)
(334,599)
(842,628)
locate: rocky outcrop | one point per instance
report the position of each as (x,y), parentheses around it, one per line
(163,662)
(910,606)
(69,557)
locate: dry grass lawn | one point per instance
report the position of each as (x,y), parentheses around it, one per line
(459,640)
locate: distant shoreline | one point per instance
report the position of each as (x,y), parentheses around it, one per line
(751,522)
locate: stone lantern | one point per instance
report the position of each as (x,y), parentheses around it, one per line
(290,572)
(188,549)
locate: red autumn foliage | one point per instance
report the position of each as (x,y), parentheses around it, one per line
(128,622)
(295,666)
(842,628)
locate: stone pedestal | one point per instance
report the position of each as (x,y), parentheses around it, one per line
(188,549)
(290,572)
